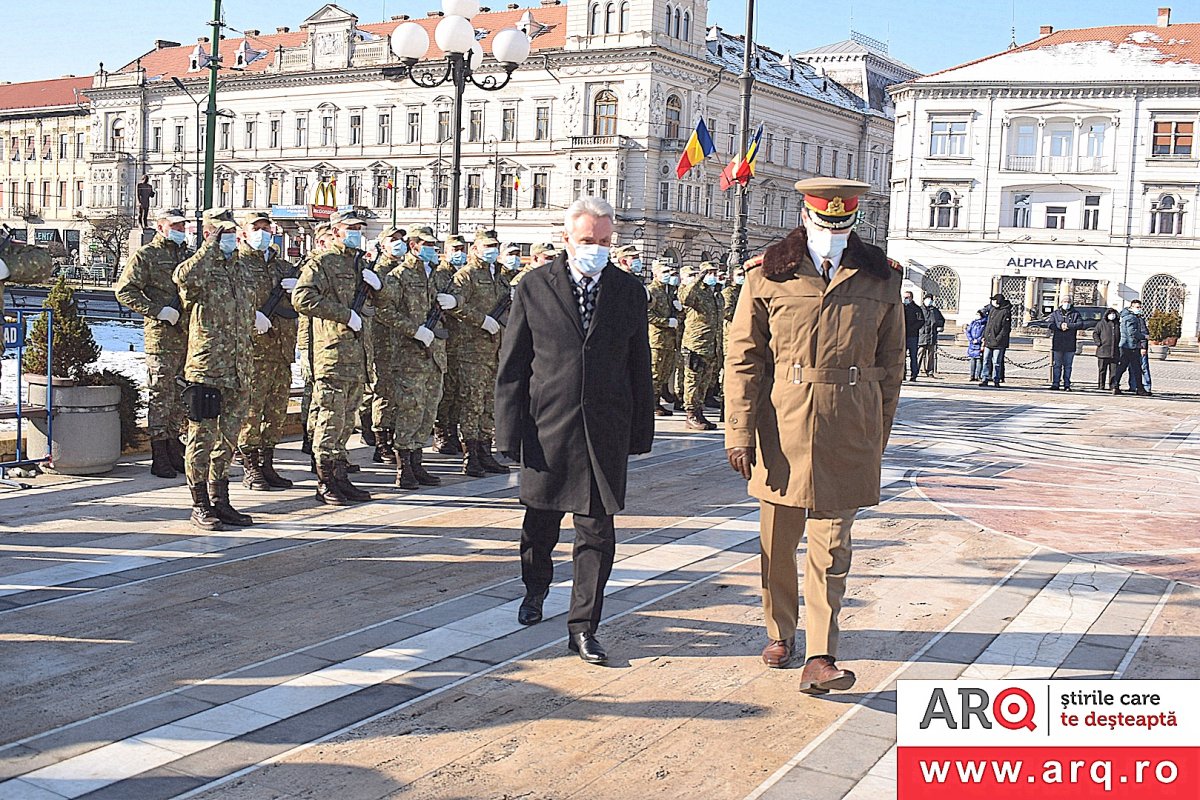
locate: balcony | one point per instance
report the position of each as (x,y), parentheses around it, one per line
(599,142)
(1080,164)
(673,145)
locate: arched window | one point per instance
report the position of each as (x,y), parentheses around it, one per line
(674,116)
(943,284)
(678,20)
(687,25)
(594,20)
(604,116)
(610,18)
(668,29)
(1163,293)
(943,210)
(1166,216)
(624,17)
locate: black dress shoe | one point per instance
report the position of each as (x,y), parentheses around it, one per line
(530,612)
(588,648)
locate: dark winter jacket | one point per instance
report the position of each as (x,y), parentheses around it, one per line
(1107,336)
(914,319)
(934,323)
(1064,341)
(975,337)
(1133,331)
(998,331)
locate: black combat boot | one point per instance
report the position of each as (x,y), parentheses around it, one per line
(160,459)
(175,452)
(252,474)
(446,441)
(385,453)
(424,477)
(365,429)
(662,411)
(352,492)
(202,510)
(306,447)
(696,421)
(219,492)
(268,470)
(471,463)
(405,477)
(486,460)
(329,491)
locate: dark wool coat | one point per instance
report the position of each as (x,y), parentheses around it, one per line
(998,331)
(575,407)
(1107,336)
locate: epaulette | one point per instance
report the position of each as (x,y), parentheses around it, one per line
(895,265)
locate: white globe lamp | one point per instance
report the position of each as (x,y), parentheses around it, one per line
(476,56)
(511,46)
(460,8)
(410,42)
(454,35)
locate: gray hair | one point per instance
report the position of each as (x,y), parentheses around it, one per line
(589,206)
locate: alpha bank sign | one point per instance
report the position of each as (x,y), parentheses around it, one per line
(1017,262)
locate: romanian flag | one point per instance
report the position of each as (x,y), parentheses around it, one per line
(516,183)
(698,148)
(741,170)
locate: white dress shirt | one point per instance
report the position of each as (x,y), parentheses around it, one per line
(816,259)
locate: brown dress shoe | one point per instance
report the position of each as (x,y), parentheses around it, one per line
(821,674)
(778,652)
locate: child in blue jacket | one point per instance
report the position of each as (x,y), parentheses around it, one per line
(975,344)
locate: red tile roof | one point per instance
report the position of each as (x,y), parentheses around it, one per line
(43,94)
(174,61)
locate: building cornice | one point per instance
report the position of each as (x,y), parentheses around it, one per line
(998,90)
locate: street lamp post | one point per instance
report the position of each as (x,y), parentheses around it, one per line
(455,35)
(199,173)
(741,240)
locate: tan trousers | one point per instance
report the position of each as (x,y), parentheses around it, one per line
(826,564)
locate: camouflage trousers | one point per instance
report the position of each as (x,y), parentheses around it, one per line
(382,387)
(165,416)
(336,400)
(697,377)
(367,398)
(477,399)
(418,390)
(266,409)
(448,412)
(210,443)
(663,359)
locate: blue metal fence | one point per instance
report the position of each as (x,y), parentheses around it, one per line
(14,338)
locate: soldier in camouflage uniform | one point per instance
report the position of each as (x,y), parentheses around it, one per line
(664,327)
(718,290)
(326,291)
(381,358)
(409,306)
(510,261)
(475,337)
(22,263)
(146,286)
(218,301)
(629,258)
(445,428)
(701,332)
(322,238)
(540,255)
(274,352)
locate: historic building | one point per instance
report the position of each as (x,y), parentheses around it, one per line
(45,148)
(608,98)
(1062,168)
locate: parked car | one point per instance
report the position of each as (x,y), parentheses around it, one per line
(1091,317)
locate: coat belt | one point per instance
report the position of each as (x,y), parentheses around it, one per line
(848,376)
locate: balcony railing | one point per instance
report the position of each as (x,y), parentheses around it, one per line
(1015,163)
(598,142)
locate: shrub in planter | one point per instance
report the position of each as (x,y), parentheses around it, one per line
(1165,327)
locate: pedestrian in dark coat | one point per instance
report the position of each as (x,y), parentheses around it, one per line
(574,399)
(996,336)
(1107,336)
(914,320)
(1064,324)
(975,343)
(928,340)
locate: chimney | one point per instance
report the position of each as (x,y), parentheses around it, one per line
(551,2)
(252,32)
(282,29)
(399,17)
(163,44)
(434,14)
(1164,16)
(1046,30)
(513,6)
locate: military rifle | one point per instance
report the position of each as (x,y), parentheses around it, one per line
(278,303)
(500,311)
(362,292)
(434,321)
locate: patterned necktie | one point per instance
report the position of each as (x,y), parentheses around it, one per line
(826,269)
(587,301)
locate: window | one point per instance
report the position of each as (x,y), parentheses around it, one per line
(732,131)
(412,191)
(833,163)
(1056,217)
(356,129)
(116,135)
(804,156)
(541,189)
(610,18)
(769,146)
(301,131)
(507,190)
(62,194)
(413,127)
(849,165)
(766,209)
(300,190)
(273,134)
(820,160)
(327,130)
(674,116)
(443,134)
(687,26)
(274,190)
(441,189)
(604,118)
(667,30)
(79,194)
(541,129)
(1166,216)
(948,138)
(624,17)
(354,190)
(508,125)
(474,191)
(381,190)
(664,196)
(179,133)
(155,141)
(1021,211)
(248,193)
(384,132)
(678,21)
(728,206)
(594,20)
(783,212)
(1172,138)
(1091,212)
(1094,144)
(226,141)
(250,137)
(45,194)
(224,190)
(577,189)
(875,170)
(475,129)
(943,210)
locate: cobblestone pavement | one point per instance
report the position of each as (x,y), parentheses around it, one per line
(373,651)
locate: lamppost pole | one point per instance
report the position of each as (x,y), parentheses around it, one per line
(740,242)
(210,130)
(458,69)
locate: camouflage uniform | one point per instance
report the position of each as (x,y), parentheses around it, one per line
(274,353)
(449,409)
(480,287)
(702,317)
(663,338)
(381,358)
(146,286)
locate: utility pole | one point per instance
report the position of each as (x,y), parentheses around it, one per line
(739,243)
(210,130)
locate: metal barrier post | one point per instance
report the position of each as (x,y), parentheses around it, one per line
(21,459)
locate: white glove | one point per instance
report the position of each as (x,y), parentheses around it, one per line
(424,336)
(3,270)
(169,315)
(490,325)
(672,323)
(678,305)
(447,301)
(288,283)
(355,323)
(261,323)
(372,279)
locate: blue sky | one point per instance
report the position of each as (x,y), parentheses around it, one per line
(49,38)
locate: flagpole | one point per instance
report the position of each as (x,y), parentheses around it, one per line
(395,188)
(739,243)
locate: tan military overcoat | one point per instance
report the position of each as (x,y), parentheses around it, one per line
(819,427)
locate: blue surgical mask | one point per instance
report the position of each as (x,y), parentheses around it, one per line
(397,247)
(590,259)
(228,243)
(490,254)
(636,266)
(672,280)
(458,259)
(259,239)
(354,240)
(178,237)
(428,254)
(514,261)
(710,280)
(739,279)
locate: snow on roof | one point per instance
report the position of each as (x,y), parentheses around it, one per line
(851,47)
(1110,54)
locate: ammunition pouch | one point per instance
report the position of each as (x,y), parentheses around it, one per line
(202,402)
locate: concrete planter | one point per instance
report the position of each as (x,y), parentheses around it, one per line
(1159,351)
(86,431)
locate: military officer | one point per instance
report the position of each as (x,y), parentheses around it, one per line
(329,291)
(812,380)
(22,263)
(445,427)
(275,328)
(540,255)
(510,261)
(410,306)
(475,334)
(219,302)
(717,285)
(664,325)
(322,238)
(381,360)
(145,286)
(629,258)
(702,325)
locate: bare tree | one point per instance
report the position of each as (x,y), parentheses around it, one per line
(110,235)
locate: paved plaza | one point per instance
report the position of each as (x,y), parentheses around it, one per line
(373,651)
